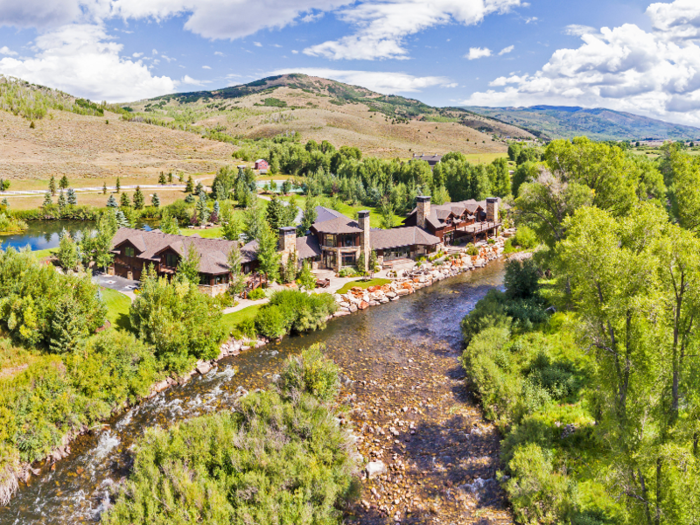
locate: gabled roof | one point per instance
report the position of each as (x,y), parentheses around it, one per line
(400,237)
(308,247)
(213,253)
(338,225)
(439,213)
(324,214)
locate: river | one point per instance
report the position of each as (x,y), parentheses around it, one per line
(401,354)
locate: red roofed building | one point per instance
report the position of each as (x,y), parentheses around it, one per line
(261,164)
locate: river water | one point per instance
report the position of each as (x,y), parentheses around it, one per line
(373,345)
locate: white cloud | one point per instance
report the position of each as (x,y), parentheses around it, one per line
(82,60)
(4,50)
(39,13)
(478,52)
(193,82)
(383,25)
(206,67)
(506,50)
(257,44)
(579,30)
(218,53)
(656,73)
(382,82)
(165,57)
(137,55)
(276,45)
(294,51)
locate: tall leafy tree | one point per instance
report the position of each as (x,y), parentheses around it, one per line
(309,216)
(236,277)
(189,264)
(268,256)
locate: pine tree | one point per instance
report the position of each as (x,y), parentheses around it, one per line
(161,179)
(290,269)
(125,201)
(189,265)
(122,221)
(104,188)
(47,199)
(308,218)
(168,223)
(360,263)
(170,177)
(119,185)
(199,188)
(72,197)
(274,213)
(202,209)
(66,326)
(286,186)
(67,252)
(5,203)
(61,200)
(372,263)
(138,199)
(236,278)
(63,183)
(189,199)
(52,185)
(231,228)
(112,202)
(216,213)
(190,185)
(155,200)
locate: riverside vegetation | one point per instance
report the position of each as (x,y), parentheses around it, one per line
(598,403)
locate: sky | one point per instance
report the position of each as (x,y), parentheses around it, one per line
(637,56)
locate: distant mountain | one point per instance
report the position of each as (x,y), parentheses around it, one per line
(555,122)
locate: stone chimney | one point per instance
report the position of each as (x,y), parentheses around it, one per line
(423,210)
(492,209)
(287,242)
(363,220)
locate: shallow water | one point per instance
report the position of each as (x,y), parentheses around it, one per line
(76,490)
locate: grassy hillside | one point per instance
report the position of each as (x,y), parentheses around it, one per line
(320,109)
(598,124)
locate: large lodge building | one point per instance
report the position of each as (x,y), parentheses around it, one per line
(333,242)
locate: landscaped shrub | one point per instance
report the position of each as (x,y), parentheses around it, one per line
(280,458)
(472,250)
(294,311)
(257,294)
(525,238)
(181,323)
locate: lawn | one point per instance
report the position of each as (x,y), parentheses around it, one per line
(230,321)
(42,254)
(118,306)
(363,284)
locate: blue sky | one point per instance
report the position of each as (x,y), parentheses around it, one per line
(633,55)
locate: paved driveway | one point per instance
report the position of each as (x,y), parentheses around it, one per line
(113,282)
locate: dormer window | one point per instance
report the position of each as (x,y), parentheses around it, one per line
(171,260)
(129,251)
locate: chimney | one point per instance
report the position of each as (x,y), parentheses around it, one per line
(287,242)
(492,209)
(363,220)
(423,206)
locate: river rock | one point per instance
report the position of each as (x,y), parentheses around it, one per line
(203,367)
(374,468)
(363,305)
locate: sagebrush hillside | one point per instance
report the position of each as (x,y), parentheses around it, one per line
(563,122)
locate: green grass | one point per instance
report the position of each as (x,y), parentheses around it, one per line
(41,254)
(211,233)
(230,321)
(363,284)
(118,306)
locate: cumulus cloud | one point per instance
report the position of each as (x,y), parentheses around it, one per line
(506,50)
(478,52)
(82,60)
(4,50)
(383,25)
(39,13)
(206,67)
(193,81)
(625,68)
(382,82)
(679,19)
(579,30)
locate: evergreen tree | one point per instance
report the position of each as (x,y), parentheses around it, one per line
(274,213)
(155,200)
(189,199)
(63,183)
(47,199)
(268,256)
(72,197)
(5,203)
(308,218)
(168,223)
(67,328)
(236,278)
(112,202)
(254,220)
(202,209)
(125,201)
(101,243)
(104,188)
(68,256)
(286,186)
(189,265)
(199,188)
(290,269)
(216,213)
(138,199)
(387,212)
(307,279)
(360,263)
(161,179)
(122,221)
(190,185)
(170,177)
(231,226)
(119,185)
(372,263)
(52,185)
(61,200)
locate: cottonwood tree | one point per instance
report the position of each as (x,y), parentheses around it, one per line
(268,256)
(236,277)
(189,264)
(309,216)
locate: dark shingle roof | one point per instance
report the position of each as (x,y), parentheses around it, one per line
(324,214)
(338,225)
(213,253)
(308,247)
(399,237)
(438,213)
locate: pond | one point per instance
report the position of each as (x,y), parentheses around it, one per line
(43,235)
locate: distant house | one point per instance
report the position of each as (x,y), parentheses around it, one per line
(430,159)
(262,164)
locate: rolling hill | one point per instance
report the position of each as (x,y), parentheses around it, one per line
(554,122)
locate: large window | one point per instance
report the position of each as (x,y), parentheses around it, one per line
(330,259)
(129,251)
(349,259)
(330,240)
(171,260)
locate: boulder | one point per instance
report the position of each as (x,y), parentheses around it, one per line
(402,292)
(363,305)
(375,468)
(203,367)
(353,308)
